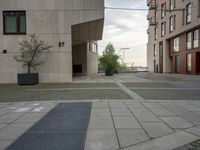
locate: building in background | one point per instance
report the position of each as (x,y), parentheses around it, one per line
(73,27)
(173,36)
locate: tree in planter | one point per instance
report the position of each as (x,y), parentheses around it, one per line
(109,60)
(30,51)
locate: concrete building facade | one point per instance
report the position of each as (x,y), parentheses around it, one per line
(173,36)
(73,27)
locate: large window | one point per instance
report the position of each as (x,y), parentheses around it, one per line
(189,13)
(14,22)
(189,63)
(93,47)
(196,38)
(176,44)
(155,34)
(172,23)
(172,4)
(189,40)
(163,28)
(163,10)
(177,64)
(154,50)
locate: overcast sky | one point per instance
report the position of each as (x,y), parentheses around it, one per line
(126,29)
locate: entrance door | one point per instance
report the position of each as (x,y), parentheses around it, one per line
(161,57)
(198,63)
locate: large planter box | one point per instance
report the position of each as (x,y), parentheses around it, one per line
(109,72)
(28,78)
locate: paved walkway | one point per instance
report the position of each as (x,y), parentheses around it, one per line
(129,124)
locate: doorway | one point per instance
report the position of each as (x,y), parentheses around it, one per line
(198,63)
(161,57)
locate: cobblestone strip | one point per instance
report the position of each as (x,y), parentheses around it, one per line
(128,91)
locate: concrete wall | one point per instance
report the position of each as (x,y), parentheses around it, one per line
(181,27)
(51,20)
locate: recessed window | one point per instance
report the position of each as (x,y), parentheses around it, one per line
(14,22)
(189,13)
(172,4)
(93,47)
(163,28)
(163,10)
(154,50)
(176,44)
(189,40)
(155,34)
(188,63)
(196,38)
(172,23)
(177,64)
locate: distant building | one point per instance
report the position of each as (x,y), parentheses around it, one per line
(73,27)
(173,36)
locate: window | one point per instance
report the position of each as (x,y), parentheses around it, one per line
(177,64)
(189,13)
(163,10)
(196,38)
(156,35)
(199,8)
(172,23)
(93,47)
(188,63)
(172,4)
(14,22)
(154,50)
(163,28)
(176,44)
(189,40)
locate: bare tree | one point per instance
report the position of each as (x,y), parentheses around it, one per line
(30,50)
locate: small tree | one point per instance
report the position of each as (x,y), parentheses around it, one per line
(30,50)
(109,60)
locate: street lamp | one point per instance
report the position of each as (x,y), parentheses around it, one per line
(124,49)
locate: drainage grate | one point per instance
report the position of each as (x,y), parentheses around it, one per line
(63,128)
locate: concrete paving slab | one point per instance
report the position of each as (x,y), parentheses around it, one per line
(194,130)
(126,123)
(166,142)
(146,116)
(156,129)
(100,112)
(8,118)
(42,109)
(5,143)
(117,105)
(177,122)
(129,137)
(152,105)
(120,112)
(2,126)
(100,123)
(189,106)
(100,105)
(162,112)
(30,118)
(101,139)
(13,131)
(182,112)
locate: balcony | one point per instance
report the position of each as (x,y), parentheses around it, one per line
(152,21)
(152,4)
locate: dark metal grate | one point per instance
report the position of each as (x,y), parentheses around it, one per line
(63,128)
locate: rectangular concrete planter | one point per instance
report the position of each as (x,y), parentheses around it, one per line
(27,78)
